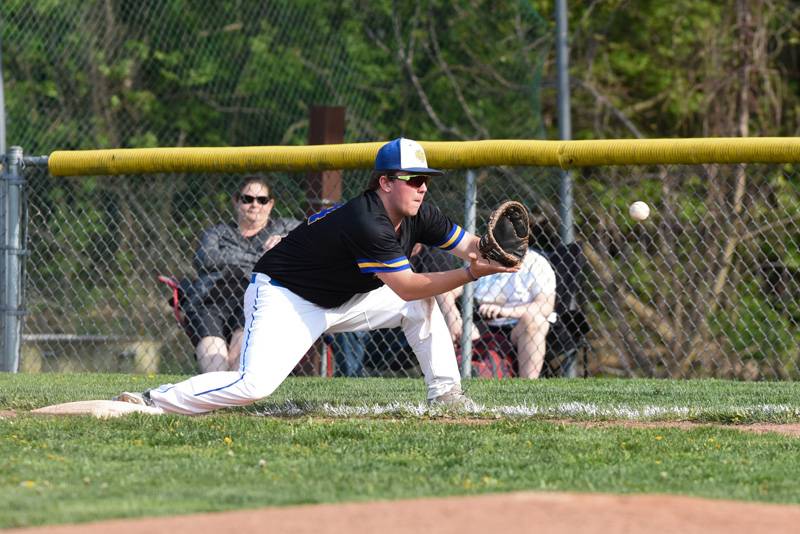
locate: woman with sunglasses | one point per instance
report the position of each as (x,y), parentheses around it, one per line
(346,269)
(224,261)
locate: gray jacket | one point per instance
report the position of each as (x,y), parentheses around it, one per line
(225,259)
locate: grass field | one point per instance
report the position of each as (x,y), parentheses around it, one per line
(336,440)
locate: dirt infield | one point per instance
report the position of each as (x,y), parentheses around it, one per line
(555,513)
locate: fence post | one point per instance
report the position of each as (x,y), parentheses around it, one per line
(471,199)
(12,247)
(325,127)
(564,119)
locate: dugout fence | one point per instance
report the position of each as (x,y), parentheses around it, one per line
(708,286)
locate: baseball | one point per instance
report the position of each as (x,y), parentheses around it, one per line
(639,210)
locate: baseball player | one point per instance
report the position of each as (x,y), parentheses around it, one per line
(346,269)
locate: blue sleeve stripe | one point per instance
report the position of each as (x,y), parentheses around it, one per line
(396,261)
(374,266)
(386,269)
(453,238)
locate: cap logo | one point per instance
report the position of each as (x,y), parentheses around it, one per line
(403,155)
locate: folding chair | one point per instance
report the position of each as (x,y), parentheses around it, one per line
(567,337)
(178,288)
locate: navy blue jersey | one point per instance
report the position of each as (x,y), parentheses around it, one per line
(336,253)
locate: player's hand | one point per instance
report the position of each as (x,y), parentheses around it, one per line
(271,242)
(482,267)
(490,311)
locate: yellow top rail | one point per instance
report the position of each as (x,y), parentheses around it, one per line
(441,154)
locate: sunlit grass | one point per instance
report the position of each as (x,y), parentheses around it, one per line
(72,469)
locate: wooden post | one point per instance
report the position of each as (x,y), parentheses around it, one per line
(326,127)
(324,188)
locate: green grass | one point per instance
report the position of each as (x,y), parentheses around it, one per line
(711,401)
(72,469)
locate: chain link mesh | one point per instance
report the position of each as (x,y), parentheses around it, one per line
(708,286)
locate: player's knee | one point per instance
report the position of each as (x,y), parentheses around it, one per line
(256,388)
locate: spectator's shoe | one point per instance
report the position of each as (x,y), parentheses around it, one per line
(454,400)
(142,399)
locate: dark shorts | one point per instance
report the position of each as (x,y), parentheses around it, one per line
(220,319)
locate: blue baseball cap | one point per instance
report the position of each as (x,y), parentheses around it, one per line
(403,155)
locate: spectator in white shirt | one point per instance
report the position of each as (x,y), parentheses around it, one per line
(521,304)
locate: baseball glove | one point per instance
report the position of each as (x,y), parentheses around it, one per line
(506,238)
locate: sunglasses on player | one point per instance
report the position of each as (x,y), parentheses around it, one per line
(414,180)
(249,199)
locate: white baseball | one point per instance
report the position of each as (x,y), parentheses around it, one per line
(639,210)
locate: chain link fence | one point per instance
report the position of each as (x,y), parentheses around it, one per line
(707,286)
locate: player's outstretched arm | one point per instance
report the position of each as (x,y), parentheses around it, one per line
(414,286)
(468,245)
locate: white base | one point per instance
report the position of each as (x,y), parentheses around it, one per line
(98,408)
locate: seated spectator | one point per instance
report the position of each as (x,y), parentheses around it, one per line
(224,261)
(520,304)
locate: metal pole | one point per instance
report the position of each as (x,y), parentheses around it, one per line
(12,312)
(471,200)
(35,161)
(323,360)
(2,103)
(564,120)
(566,203)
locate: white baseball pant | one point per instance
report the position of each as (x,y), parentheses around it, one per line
(279,329)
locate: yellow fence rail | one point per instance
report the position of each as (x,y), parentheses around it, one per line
(445,155)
